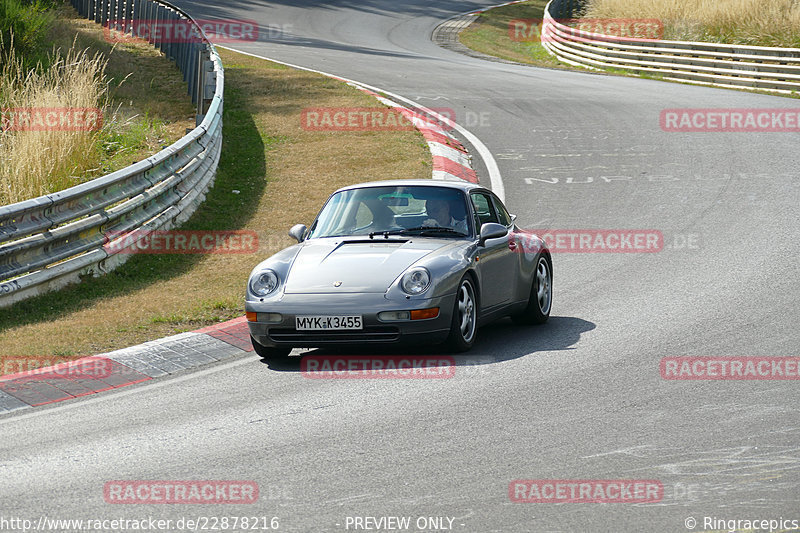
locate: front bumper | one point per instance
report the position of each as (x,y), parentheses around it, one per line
(367,305)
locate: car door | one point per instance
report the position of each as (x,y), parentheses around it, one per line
(519,279)
(497,262)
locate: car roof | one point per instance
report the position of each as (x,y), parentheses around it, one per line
(460,185)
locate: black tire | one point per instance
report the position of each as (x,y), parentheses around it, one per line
(270,353)
(540,301)
(464,325)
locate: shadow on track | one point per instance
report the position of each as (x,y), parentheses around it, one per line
(271,31)
(497,342)
(379,7)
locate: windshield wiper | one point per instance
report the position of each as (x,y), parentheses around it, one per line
(384,233)
(424,230)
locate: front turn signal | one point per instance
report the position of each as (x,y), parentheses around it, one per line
(424,314)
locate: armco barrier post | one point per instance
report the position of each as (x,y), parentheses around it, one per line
(207,82)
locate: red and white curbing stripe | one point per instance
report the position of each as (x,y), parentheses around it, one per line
(125,367)
(451,161)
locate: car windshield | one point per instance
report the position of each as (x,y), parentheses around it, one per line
(427,211)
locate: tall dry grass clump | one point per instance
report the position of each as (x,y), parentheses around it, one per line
(33,163)
(753,22)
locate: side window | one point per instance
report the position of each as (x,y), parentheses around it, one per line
(484,211)
(502,214)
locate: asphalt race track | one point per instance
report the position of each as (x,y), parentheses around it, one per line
(580,398)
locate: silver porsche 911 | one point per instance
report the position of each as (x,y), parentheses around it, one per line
(399,261)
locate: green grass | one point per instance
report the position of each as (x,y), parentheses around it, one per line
(489,35)
(121,139)
(25,26)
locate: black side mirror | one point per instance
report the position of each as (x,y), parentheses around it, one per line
(491,230)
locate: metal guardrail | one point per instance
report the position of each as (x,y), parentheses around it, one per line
(54,240)
(737,66)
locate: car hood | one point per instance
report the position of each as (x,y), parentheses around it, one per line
(358,265)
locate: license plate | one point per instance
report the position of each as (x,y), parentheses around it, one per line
(314,323)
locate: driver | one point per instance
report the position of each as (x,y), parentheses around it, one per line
(439,214)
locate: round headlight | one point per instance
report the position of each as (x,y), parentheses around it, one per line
(416,281)
(264,283)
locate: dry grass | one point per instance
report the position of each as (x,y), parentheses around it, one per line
(33,163)
(754,22)
(283,173)
(149,107)
(143,94)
